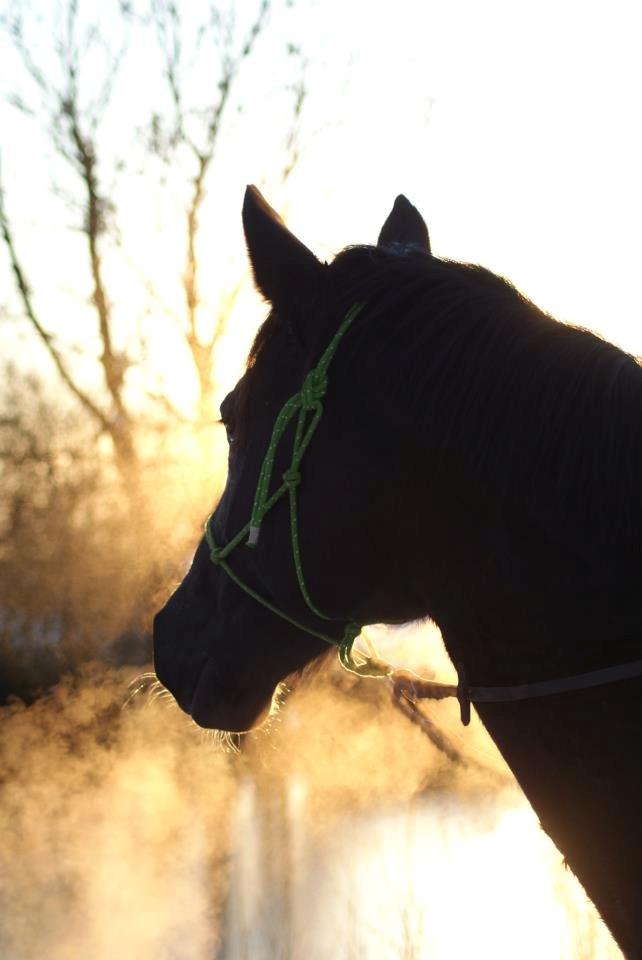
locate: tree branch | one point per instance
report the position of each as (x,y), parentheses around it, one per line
(94,226)
(202,353)
(292,144)
(27,302)
(411,711)
(83,154)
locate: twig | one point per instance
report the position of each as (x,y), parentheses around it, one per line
(409,708)
(30,311)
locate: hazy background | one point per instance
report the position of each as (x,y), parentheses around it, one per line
(128,132)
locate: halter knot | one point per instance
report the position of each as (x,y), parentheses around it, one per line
(350,634)
(313,389)
(215,555)
(292,478)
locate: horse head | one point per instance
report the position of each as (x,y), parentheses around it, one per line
(219,651)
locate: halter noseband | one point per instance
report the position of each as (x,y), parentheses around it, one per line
(306,405)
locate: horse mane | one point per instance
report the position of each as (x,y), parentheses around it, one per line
(547,415)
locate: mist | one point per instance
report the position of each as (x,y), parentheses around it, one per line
(343,828)
(127,831)
(113,827)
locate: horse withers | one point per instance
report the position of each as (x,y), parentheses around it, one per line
(414,438)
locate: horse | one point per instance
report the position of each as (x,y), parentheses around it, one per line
(443,449)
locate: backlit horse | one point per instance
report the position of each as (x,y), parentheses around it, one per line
(413,438)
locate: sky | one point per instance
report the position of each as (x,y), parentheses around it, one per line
(513,127)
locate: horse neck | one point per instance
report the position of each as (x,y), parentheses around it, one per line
(517,608)
(531,524)
(576,757)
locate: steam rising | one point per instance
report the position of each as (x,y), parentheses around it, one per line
(113,825)
(128,832)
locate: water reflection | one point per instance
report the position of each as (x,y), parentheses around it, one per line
(441,878)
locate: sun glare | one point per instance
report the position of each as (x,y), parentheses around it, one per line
(442,880)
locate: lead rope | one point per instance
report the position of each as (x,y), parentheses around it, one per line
(307,401)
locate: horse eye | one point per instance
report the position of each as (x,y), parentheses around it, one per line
(228,429)
(227,419)
(230,435)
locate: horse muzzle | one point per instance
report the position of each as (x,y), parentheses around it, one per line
(215,692)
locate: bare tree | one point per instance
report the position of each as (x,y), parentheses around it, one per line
(78,561)
(73,132)
(199,135)
(186,135)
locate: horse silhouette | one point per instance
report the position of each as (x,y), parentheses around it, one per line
(476,462)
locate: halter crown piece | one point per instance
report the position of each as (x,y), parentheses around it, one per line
(307,407)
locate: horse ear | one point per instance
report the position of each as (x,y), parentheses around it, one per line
(284,269)
(405,226)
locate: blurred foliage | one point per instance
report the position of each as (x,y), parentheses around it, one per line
(83,560)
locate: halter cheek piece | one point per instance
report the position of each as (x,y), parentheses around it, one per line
(307,407)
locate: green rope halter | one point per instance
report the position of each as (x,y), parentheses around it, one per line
(306,405)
